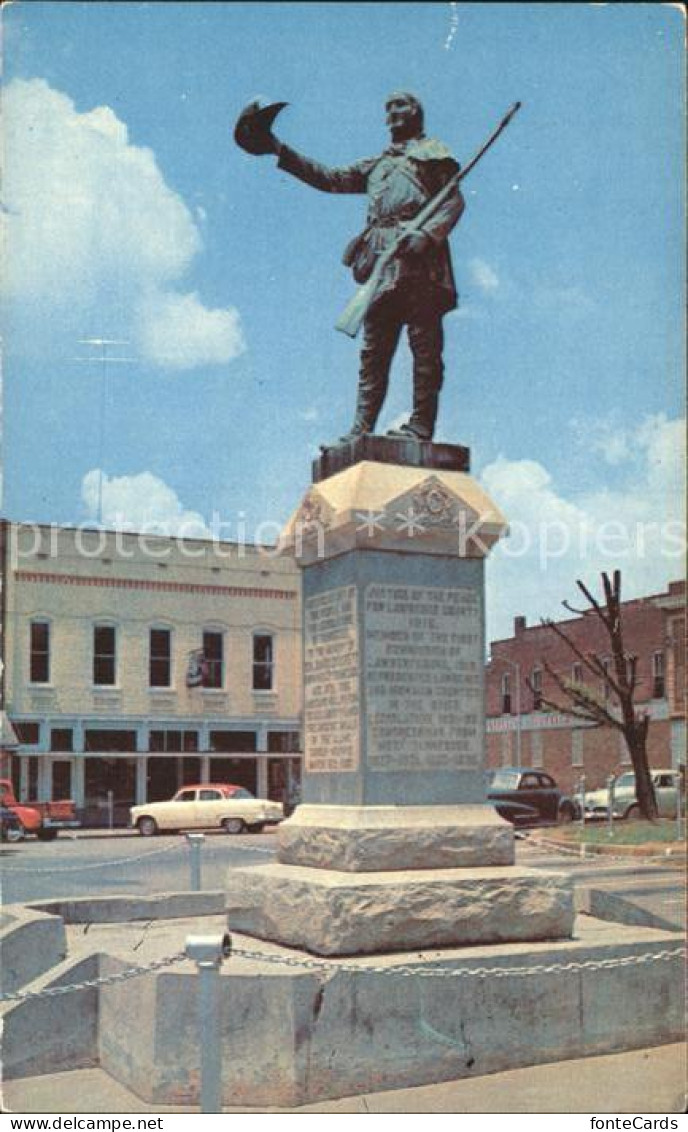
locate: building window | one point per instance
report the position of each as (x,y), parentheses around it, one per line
(174,742)
(506,694)
(106,741)
(536,684)
(104,655)
(233,742)
(32,778)
(61,739)
(159,663)
(536,749)
(263,662)
(28,734)
(624,755)
(213,657)
(284,742)
(62,779)
(658,675)
(505,743)
(40,652)
(605,683)
(577,673)
(577,747)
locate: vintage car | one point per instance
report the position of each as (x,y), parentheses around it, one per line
(625,804)
(11,829)
(529,797)
(208,806)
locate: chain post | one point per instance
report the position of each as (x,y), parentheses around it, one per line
(680,815)
(610,805)
(195,842)
(581,792)
(208,952)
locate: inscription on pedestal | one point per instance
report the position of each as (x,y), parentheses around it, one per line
(331,700)
(423,678)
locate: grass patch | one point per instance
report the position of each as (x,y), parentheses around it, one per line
(661,832)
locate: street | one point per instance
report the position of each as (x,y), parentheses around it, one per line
(93,862)
(122,863)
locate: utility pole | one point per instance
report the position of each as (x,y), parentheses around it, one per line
(105,359)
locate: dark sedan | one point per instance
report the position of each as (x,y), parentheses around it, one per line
(529,797)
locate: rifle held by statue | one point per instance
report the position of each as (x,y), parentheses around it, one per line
(351,318)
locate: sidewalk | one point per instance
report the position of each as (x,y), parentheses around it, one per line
(640,1081)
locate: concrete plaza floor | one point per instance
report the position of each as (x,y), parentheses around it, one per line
(640,1081)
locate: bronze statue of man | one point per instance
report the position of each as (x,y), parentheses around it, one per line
(417,287)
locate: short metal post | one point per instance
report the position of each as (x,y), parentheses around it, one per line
(610,804)
(111,809)
(208,953)
(680,816)
(195,841)
(581,794)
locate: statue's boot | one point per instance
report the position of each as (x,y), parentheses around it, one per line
(424,415)
(368,404)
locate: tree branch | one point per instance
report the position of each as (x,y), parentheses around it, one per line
(568,710)
(585,657)
(582,699)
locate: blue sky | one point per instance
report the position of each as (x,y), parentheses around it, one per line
(132,215)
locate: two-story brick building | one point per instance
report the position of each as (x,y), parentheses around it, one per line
(135,663)
(520,731)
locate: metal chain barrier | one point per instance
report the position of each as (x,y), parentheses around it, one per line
(406,970)
(103,981)
(586,851)
(98,864)
(127,860)
(465,972)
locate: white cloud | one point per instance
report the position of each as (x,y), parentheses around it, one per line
(484,276)
(179,332)
(95,240)
(639,529)
(142,503)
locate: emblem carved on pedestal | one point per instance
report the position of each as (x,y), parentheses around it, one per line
(311,515)
(434,506)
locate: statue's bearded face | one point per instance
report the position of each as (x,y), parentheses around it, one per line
(404,116)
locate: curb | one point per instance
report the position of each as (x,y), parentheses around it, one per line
(658,850)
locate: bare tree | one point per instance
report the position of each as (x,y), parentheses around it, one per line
(616,708)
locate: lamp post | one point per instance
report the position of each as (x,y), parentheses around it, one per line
(517,668)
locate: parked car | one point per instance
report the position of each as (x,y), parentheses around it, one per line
(529,797)
(11,829)
(210,806)
(45,819)
(665,781)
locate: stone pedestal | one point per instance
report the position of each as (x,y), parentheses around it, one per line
(395,845)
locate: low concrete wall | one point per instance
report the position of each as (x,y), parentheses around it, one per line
(611,906)
(122,909)
(291,1037)
(54,1034)
(31,943)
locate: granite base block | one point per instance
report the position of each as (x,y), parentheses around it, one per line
(395,838)
(338,913)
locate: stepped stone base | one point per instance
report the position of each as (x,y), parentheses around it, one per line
(337,913)
(380,838)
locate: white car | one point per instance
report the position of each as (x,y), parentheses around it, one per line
(665,782)
(208,806)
